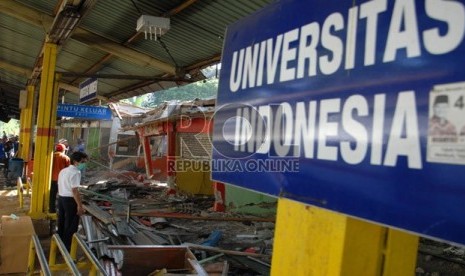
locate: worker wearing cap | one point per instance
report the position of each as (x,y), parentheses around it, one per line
(64,142)
(439,126)
(60,161)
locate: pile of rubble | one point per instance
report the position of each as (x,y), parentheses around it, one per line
(139,227)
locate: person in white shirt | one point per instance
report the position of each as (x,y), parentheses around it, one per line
(69,200)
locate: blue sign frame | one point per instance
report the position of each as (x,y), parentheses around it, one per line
(88,90)
(355,108)
(84,112)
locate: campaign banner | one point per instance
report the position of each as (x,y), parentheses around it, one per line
(357,107)
(84,112)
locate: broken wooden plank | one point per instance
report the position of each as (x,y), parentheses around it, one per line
(97,212)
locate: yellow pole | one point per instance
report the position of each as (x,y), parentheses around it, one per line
(314,241)
(22,116)
(26,125)
(46,120)
(398,262)
(48,165)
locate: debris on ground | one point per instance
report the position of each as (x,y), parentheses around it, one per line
(125,215)
(440,258)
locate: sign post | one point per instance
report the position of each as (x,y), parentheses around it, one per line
(352,107)
(313,241)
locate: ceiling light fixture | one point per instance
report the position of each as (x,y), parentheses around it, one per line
(153,26)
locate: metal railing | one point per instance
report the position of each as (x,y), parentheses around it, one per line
(70,263)
(56,244)
(21,187)
(36,250)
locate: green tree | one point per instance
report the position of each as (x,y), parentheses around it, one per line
(198,90)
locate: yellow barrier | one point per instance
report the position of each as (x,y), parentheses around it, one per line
(36,250)
(70,264)
(20,187)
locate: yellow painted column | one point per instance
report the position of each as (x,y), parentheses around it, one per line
(22,117)
(400,248)
(314,241)
(26,124)
(46,120)
(48,164)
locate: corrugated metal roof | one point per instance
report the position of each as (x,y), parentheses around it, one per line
(101,42)
(113,20)
(20,42)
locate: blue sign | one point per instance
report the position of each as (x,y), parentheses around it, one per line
(88,90)
(357,108)
(84,112)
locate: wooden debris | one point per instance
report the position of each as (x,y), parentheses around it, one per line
(131,214)
(193,217)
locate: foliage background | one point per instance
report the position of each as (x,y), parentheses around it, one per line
(11,128)
(198,90)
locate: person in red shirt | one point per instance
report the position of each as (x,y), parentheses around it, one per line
(60,161)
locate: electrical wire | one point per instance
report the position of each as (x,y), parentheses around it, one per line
(135,6)
(167,51)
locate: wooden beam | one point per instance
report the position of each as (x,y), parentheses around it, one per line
(25,72)
(18,70)
(26,14)
(69,87)
(204,63)
(122,52)
(129,88)
(96,66)
(179,8)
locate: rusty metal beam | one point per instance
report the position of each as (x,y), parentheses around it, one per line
(122,77)
(129,88)
(204,63)
(191,68)
(96,66)
(179,8)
